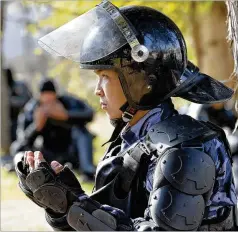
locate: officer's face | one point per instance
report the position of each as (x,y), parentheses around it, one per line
(109,90)
(47,97)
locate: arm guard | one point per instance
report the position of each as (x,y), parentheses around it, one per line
(89,215)
(182,180)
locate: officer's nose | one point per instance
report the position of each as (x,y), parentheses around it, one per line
(98,90)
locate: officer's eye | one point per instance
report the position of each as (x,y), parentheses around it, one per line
(104,76)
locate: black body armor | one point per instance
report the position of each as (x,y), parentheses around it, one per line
(183,177)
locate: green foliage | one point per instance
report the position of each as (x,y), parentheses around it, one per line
(205,7)
(178,11)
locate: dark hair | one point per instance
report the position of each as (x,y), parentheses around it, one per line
(47,85)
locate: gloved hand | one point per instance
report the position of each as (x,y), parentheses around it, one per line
(52,187)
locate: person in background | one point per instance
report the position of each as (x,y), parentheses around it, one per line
(61,121)
(19,96)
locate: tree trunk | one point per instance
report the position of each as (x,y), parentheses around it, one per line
(232,23)
(209,34)
(5,117)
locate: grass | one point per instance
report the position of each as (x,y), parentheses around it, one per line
(9,181)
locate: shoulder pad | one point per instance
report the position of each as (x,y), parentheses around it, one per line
(175,209)
(176,130)
(189,170)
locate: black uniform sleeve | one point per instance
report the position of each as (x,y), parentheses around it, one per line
(79,112)
(57,221)
(26,131)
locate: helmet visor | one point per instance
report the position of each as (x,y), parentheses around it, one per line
(87,38)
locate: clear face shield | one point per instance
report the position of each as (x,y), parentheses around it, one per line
(104,25)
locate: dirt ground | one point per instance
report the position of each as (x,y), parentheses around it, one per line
(22,215)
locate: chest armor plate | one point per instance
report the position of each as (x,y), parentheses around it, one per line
(118,170)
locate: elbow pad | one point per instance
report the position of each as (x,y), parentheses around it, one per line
(183,178)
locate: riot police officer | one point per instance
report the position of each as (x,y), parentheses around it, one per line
(162,171)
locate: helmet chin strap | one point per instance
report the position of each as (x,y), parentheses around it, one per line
(119,123)
(128,112)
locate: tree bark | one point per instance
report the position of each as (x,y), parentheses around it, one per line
(232,23)
(209,34)
(5,117)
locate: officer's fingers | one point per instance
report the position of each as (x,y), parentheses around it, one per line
(30,159)
(38,157)
(56,166)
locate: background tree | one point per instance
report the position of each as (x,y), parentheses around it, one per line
(209,33)
(5,123)
(232,7)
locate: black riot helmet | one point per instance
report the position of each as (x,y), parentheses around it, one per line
(143,45)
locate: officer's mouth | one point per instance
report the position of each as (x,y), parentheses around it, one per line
(103,105)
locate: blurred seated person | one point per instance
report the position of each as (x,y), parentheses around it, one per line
(61,121)
(19,96)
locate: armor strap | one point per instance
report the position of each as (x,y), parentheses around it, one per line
(132,160)
(225,223)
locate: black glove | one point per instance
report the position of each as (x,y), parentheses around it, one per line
(56,192)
